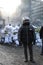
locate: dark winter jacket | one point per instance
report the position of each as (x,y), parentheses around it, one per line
(41,32)
(26,33)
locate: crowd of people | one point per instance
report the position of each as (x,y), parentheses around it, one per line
(26,37)
(9,35)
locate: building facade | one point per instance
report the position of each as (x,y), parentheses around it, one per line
(37,10)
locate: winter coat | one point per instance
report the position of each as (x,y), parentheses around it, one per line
(41,32)
(26,34)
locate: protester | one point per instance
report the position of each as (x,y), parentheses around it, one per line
(26,37)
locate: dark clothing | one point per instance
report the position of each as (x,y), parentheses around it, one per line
(26,37)
(41,36)
(34,35)
(26,34)
(2,40)
(20,44)
(42,47)
(30,51)
(41,32)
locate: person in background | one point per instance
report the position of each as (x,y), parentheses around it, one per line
(26,37)
(41,37)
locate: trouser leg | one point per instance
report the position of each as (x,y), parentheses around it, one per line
(31,52)
(25,52)
(42,46)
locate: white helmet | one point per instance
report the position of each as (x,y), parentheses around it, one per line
(26,18)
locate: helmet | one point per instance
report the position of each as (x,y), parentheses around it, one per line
(25,18)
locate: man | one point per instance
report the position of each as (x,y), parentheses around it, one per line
(26,37)
(41,36)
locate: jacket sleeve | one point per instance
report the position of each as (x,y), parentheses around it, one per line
(34,36)
(40,33)
(19,35)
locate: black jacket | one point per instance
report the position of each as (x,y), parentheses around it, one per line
(41,32)
(26,33)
